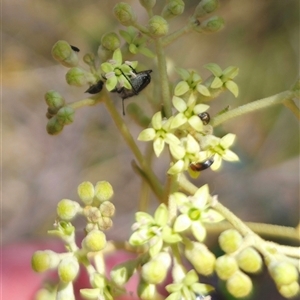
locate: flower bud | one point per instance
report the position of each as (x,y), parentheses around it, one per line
(124,13)
(68,269)
(103,191)
(62,52)
(53,126)
(249,260)
(107,209)
(239,285)
(226,266)
(79,77)
(54,100)
(148,4)
(67,209)
(65,115)
(172,9)
(230,240)
(155,271)
(201,258)
(121,273)
(205,7)
(283,273)
(92,214)
(42,261)
(290,290)
(110,41)
(105,223)
(86,192)
(213,24)
(94,241)
(158,26)
(147,291)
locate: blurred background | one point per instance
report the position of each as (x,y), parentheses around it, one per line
(260,37)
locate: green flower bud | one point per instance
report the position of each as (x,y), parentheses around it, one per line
(124,13)
(230,240)
(201,258)
(103,191)
(226,266)
(42,261)
(148,4)
(121,273)
(239,285)
(110,41)
(54,100)
(172,9)
(205,7)
(67,209)
(213,24)
(290,290)
(107,209)
(89,59)
(154,272)
(249,260)
(62,52)
(68,269)
(79,77)
(283,273)
(105,223)
(53,126)
(94,241)
(65,115)
(147,291)
(86,192)
(158,26)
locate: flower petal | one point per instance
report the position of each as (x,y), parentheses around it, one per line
(182,223)
(230,156)
(198,231)
(227,140)
(158,146)
(157,120)
(178,120)
(176,168)
(179,104)
(196,123)
(147,135)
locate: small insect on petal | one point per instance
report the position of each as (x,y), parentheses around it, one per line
(201,166)
(74,48)
(95,88)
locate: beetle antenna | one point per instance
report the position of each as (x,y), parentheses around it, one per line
(123,108)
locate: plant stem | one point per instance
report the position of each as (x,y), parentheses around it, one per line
(155,184)
(283,97)
(163,78)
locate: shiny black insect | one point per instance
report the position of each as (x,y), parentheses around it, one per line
(95,88)
(74,48)
(205,117)
(138,82)
(201,166)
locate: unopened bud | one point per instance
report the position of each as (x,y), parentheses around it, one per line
(79,77)
(172,9)
(158,26)
(124,13)
(226,266)
(67,209)
(68,269)
(42,261)
(107,209)
(110,41)
(249,260)
(86,192)
(53,126)
(65,115)
(148,4)
(205,7)
(103,191)
(213,24)
(283,273)
(62,52)
(94,241)
(239,285)
(54,100)
(230,240)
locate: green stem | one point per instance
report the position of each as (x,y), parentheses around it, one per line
(155,184)
(291,105)
(85,102)
(163,78)
(255,105)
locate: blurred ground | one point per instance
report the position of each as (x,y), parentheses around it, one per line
(261,38)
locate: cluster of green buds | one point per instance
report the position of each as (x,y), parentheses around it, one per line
(240,259)
(98,210)
(165,238)
(189,136)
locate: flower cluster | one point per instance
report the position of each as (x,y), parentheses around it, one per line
(162,234)
(188,136)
